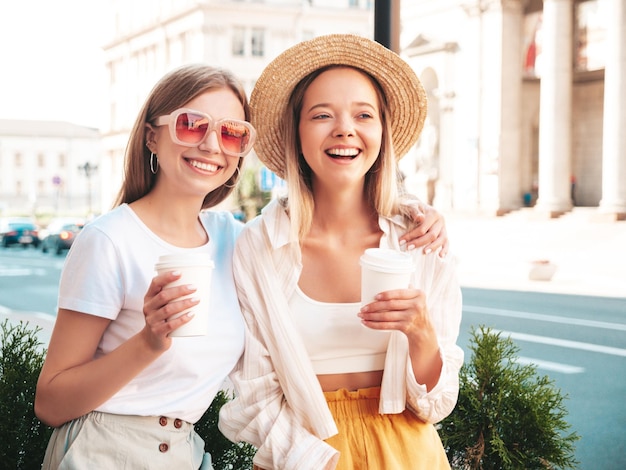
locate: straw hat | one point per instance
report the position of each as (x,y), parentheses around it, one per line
(268,103)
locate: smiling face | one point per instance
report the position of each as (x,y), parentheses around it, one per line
(340,126)
(200,169)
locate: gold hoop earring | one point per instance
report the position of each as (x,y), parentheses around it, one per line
(154,163)
(235,180)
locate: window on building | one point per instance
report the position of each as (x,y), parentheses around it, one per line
(18,160)
(589,37)
(176,53)
(41,187)
(18,188)
(62,160)
(239,41)
(353,3)
(258,42)
(41,160)
(591,18)
(532,44)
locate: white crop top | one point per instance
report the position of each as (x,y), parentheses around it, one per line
(334,337)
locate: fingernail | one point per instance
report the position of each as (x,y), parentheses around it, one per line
(427,251)
(411,248)
(402,242)
(191,287)
(191,314)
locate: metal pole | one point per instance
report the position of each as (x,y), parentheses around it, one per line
(387,23)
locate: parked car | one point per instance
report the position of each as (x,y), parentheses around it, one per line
(19,231)
(60,234)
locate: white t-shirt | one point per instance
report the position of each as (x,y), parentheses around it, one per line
(107,273)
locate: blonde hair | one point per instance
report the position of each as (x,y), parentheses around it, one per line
(171,92)
(382,186)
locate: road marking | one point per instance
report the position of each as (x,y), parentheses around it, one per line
(543,317)
(14,272)
(564,343)
(551,366)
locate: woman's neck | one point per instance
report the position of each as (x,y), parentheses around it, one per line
(343,212)
(174,219)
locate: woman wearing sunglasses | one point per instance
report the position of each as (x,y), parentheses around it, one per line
(119,390)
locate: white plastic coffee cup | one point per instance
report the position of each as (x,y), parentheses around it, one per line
(196,269)
(382,270)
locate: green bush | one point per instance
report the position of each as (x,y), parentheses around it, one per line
(507,417)
(24,438)
(225,454)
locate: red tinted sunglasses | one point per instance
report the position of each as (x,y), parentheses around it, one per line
(189,127)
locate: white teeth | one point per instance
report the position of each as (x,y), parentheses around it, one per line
(203,166)
(344,152)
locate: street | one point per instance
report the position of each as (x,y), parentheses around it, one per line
(578,341)
(29,279)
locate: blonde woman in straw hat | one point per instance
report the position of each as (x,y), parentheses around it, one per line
(325,383)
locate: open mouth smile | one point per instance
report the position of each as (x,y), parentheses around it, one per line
(343,153)
(203,165)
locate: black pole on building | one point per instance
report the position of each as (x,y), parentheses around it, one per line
(387,23)
(382,22)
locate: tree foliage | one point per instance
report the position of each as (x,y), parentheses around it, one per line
(24,438)
(507,417)
(226,455)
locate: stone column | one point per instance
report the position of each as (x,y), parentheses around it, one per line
(555,109)
(613,202)
(509,186)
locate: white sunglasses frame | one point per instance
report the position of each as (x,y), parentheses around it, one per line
(169,120)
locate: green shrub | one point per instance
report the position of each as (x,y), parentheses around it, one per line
(225,454)
(507,417)
(24,438)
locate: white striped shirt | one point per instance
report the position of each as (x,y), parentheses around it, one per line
(280,407)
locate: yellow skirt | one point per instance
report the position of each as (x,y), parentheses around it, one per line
(368,440)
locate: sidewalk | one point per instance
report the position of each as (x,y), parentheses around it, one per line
(495,252)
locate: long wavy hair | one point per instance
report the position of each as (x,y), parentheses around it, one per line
(381,189)
(173,91)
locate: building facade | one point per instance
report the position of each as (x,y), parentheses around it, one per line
(527,100)
(49,168)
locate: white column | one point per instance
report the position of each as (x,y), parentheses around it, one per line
(509,186)
(555,109)
(614,121)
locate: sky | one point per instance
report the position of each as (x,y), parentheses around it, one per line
(51,61)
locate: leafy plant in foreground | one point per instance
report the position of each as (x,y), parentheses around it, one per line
(507,417)
(24,438)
